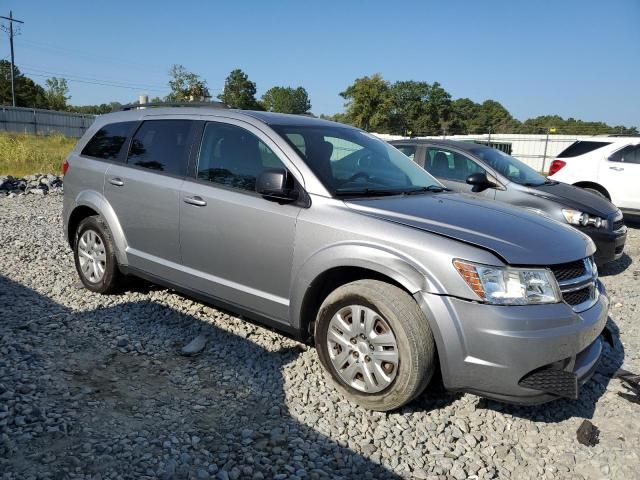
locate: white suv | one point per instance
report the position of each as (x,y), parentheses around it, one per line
(608,166)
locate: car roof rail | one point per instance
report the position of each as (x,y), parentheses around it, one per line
(136,106)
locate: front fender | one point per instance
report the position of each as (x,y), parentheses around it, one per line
(391,263)
(99,203)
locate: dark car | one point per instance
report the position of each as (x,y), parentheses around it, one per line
(490,173)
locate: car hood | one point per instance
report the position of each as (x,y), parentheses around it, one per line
(513,234)
(574,197)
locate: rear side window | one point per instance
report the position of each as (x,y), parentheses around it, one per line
(108,141)
(630,154)
(450,165)
(161,145)
(580,148)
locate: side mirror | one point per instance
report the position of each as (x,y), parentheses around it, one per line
(480,182)
(277,185)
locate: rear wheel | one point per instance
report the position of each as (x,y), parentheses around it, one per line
(376,344)
(94,256)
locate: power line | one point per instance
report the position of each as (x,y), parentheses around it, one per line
(102,83)
(13,74)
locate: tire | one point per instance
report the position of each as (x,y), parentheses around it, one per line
(386,307)
(104,256)
(596,192)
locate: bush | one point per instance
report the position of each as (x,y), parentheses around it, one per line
(25,154)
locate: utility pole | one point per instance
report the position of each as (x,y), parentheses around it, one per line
(13,80)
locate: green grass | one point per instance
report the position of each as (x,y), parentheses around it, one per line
(24,154)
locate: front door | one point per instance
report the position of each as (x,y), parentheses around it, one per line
(236,245)
(452,169)
(145,192)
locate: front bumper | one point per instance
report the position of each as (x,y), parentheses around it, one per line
(609,244)
(491,350)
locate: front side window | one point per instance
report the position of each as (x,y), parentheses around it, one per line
(108,141)
(630,154)
(234,157)
(161,145)
(509,167)
(352,162)
(450,165)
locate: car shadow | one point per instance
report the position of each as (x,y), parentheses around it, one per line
(615,267)
(584,407)
(114,372)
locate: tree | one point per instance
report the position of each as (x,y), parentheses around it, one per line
(239,91)
(186,86)
(409,100)
(57,93)
(286,100)
(369,103)
(28,93)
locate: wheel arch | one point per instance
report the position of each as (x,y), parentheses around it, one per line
(336,266)
(89,203)
(595,186)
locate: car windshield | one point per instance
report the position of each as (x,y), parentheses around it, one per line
(352,162)
(511,168)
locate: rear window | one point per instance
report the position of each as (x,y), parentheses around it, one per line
(580,148)
(108,141)
(161,145)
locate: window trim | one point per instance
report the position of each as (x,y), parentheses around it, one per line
(189,144)
(121,159)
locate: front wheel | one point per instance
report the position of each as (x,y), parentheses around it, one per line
(376,344)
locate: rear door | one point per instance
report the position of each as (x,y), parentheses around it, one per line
(236,245)
(145,192)
(620,175)
(452,168)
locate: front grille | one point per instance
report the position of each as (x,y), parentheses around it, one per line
(578,283)
(577,297)
(618,224)
(568,271)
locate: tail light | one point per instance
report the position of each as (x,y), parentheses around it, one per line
(556,166)
(65,167)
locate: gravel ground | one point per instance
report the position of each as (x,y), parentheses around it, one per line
(95,387)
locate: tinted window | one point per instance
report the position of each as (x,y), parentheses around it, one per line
(161,145)
(449,165)
(234,157)
(108,141)
(580,148)
(408,150)
(630,154)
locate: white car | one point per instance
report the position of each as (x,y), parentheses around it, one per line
(607,166)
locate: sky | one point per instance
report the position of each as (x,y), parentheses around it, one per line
(574,58)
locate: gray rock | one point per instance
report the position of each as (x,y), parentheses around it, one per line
(195,346)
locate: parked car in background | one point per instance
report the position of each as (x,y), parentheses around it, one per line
(608,166)
(330,234)
(480,170)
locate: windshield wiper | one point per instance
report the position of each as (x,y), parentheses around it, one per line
(367,192)
(430,188)
(551,182)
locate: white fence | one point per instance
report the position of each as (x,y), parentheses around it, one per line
(538,151)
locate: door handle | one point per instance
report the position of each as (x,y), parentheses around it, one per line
(116,181)
(195,200)
(617,169)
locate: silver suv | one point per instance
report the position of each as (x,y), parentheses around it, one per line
(331,235)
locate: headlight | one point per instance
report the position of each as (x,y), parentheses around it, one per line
(576,217)
(509,286)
